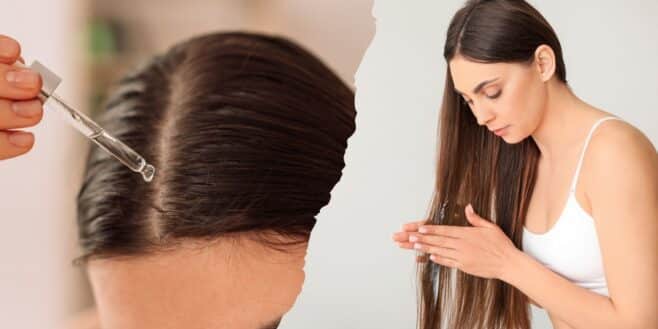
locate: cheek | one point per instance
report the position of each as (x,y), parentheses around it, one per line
(535,103)
(526,105)
(511,108)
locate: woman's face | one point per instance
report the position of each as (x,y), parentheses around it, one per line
(511,95)
(225,284)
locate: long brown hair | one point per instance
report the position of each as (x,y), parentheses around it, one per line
(247,132)
(477,167)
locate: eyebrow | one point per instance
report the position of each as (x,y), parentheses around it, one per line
(479,86)
(272,325)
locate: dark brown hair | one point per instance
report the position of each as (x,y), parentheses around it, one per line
(247,133)
(477,167)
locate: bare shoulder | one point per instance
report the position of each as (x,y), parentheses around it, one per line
(620,144)
(618,148)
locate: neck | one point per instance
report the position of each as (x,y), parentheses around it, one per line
(560,128)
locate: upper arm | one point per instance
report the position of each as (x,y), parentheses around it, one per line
(624,196)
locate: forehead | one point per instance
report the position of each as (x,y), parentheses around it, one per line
(241,281)
(466,74)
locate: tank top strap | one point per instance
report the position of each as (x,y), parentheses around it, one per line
(582,152)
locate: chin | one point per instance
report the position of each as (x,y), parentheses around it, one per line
(511,139)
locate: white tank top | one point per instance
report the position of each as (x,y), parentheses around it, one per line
(571,247)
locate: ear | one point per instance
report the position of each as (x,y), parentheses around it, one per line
(544,61)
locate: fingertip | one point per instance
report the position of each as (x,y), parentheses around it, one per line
(10,49)
(401,237)
(19,83)
(409,227)
(15,143)
(22,139)
(31,110)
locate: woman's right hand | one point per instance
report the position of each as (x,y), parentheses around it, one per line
(19,107)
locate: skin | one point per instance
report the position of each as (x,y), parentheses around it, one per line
(231,283)
(19,107)
(624,205)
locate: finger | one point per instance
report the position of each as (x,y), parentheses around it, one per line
(475,219)
(406,245)
(19,83)
(401,236)
(434,250)
(19,114)
(15,143)
(435,240)
(445,261)
(10,49)
(446,230)
(413,226)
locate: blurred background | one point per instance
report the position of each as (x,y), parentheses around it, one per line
(90,44)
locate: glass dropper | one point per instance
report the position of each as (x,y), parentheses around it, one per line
(88,127)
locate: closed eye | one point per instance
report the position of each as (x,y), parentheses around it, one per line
(488,96)
(496,95)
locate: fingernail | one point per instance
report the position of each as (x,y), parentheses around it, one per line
(27,109)
(469,209)
(23,78)
(21,139)
(417,246)
(422,229)
(413,238)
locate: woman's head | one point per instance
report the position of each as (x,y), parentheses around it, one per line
(504,60)
(503,57)
(247,133)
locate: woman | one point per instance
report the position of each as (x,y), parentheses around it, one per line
(247,133)
(561,197)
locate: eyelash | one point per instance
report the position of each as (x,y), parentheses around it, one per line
(490,97)
(496,95)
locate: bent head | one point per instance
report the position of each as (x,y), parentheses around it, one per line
(502,59)
(248,134)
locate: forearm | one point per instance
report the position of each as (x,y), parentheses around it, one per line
(577,306)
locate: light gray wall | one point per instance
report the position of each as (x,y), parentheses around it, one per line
(356,277)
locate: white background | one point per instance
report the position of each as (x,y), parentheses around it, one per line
(356,277)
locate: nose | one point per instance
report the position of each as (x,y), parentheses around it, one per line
(482,116)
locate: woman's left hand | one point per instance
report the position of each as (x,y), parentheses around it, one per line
(482,249)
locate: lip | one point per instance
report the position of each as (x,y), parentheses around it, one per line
(500,131)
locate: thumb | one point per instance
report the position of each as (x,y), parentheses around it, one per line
(474,218)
